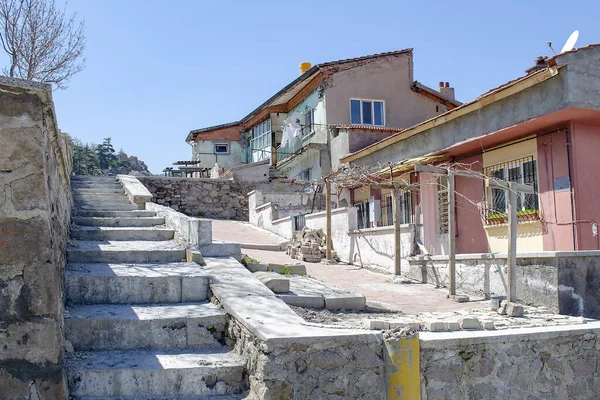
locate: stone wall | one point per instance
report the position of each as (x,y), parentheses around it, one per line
(35,206)
(209,198)
(311,368)
(527,364)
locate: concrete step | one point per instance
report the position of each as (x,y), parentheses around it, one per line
(224,397)
(155,326)
(91,201)
(119,221)
(104,207)
(86,191)
(116,233)
(155,373)
(94,283)
(124,251)
(100,196)
(88,185)
(115,214)
(93,178)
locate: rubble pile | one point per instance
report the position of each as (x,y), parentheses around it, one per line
(308,245)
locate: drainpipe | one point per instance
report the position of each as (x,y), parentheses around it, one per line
(571,190)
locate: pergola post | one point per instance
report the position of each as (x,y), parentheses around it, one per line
(328,220)
(397,240)
(451,235)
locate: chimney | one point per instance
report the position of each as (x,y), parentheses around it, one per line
(540,63)
(446,91)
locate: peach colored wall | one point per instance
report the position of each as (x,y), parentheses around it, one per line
(471,236)
(555,206)
(429,214)
(585,162)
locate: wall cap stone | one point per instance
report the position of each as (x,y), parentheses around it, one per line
(432,340)
(135,190)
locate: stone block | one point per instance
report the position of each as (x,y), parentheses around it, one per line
(345,302)
(29,193)
(274,281)
(297,269)
(435,326)
(303,300)
(514,310)
(44,285)
(377,324)
(194,256)
(21,148)
(24,241)
(470,323)
(460,298)
(36,342)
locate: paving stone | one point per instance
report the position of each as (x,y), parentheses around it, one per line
(435,326)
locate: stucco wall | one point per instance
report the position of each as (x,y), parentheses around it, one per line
(35,207)
(387,79)
(585,146)
(550,364)
(204,150)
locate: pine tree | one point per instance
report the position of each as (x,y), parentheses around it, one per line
(106,155)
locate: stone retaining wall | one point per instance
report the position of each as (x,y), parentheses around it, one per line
(35,206)
(325,368)
(209,198)
(522,364)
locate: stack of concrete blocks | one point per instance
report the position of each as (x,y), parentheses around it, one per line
(308,245)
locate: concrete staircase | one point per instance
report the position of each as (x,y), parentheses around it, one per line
(137,314)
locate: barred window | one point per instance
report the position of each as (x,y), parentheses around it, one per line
(363,215)
(522,170)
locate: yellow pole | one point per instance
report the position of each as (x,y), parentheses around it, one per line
(403,373)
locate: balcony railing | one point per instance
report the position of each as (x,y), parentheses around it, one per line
(293,146)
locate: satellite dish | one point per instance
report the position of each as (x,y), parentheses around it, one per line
(570,42)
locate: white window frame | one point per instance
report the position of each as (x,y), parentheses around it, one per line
(222,144)
(263,140)
(372,110)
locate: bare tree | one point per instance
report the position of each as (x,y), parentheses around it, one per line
(41,42)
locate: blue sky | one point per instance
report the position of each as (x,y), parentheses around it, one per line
(158,69)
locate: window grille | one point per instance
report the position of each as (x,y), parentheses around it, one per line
(522,170)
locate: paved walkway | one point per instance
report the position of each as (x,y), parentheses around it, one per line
(409,298)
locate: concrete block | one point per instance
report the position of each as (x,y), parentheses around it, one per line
(296,269)
(489,325)
(303,300)
(345,302)
(452,325)
(460,298)
(404,324)
(435,326)
(274,281)
(470,323)
(252,267)
(194,256)
(377,324)
(514,310)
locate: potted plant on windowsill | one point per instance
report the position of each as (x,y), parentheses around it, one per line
(497,218)
(527,215)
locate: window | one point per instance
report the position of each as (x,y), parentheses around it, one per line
(522,170)
(261,135)
(305,175)
(221,149)
(363,215)
(309,122)
(387,212)
(367,112)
